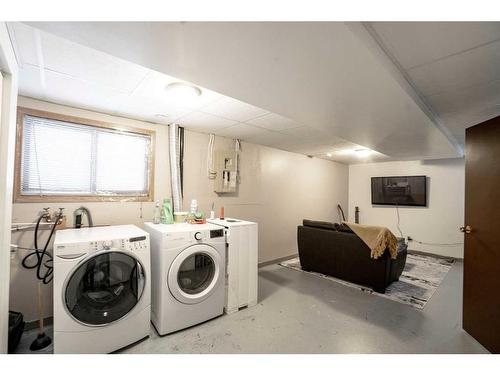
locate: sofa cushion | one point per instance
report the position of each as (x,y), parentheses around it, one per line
(343,228)
(319,224)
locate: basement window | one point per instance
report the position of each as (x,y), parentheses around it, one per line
(62,159)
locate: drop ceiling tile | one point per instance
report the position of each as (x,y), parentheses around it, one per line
(306,134)
(274,122)
(353,159)
(63,56)
(204,122)
(149,109)
(243,131)
(66,90)
(30,83)
(478,66)
(24,43)
(313,149)
(457,122)
(417,43)
(324,148)
(345,145)
(471,98)
(154,84)
(272,139)
(234,109)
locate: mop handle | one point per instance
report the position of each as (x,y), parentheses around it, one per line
(40,307)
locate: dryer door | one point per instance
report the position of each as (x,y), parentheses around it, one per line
(195,274)
(104,288)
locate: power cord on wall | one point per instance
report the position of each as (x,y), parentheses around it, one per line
(421,242)
(436,243)
(399,220)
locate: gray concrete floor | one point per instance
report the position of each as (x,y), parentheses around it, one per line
(302,313)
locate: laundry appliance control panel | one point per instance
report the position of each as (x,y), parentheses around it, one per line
(175,239)
(129,244)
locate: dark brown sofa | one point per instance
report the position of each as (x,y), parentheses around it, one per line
(335,250)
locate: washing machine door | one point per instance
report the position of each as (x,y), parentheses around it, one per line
(104,288)
(195,274)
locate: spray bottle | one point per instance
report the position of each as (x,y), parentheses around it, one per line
(157,213)
(167,216)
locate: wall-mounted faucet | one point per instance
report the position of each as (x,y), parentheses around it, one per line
(46,214)
(78,217)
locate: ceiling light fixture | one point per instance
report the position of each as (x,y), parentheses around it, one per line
(329,154)
(162,116)
(363,152)
(359,152)
(183,93)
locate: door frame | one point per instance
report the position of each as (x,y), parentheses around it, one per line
(8,98)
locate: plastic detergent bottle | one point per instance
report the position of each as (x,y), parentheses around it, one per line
(194,206)
(166,212)
(157,213)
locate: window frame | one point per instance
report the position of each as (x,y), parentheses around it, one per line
(18,197)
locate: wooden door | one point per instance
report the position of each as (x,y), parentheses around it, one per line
(481,304)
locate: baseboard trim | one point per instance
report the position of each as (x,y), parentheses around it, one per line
(34,324)
(418,252)
(278,260)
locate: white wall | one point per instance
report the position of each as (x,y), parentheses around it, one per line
(278,189)
(8,98)
(437,223)
(23,282)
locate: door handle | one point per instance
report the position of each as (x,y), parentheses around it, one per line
(466,229)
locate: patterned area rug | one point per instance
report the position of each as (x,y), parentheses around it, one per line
(421,277)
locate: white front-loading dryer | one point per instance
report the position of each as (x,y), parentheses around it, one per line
(188,274)
(102,296)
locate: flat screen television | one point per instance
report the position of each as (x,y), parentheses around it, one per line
(399,191)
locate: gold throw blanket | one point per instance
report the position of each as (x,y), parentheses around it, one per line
(376,238)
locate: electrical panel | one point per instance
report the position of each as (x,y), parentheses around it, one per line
(226,167)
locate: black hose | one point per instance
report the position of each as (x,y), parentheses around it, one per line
(36,252)
(47,264)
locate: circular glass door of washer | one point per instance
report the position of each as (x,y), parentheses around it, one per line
(196,273)
(104,288)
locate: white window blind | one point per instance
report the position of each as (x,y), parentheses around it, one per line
(64,158)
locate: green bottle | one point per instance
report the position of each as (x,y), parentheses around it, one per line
(166,216)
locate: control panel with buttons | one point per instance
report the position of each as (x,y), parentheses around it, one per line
(130,244)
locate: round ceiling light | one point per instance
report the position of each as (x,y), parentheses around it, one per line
(363,152)
(183,93)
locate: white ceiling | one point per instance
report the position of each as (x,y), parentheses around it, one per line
(60,71)
(407,90)
(455,66)
(325,75)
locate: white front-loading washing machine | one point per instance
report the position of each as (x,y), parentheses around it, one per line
(102,295)
(188,274)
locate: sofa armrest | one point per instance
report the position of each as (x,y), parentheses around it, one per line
(398,264)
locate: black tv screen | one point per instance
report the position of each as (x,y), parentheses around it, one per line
(399,190)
